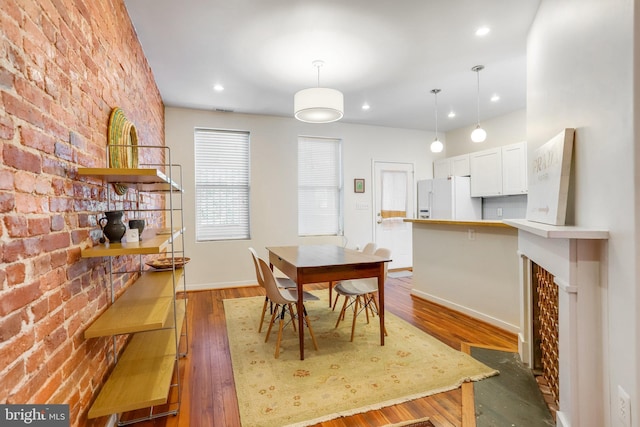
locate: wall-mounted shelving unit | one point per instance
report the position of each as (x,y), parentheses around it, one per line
(152,310)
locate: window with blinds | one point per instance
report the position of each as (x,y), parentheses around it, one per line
(319,186)
(222,184)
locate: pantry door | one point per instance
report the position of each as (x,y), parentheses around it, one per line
(394,202)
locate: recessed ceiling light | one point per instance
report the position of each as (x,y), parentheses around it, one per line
(495,97)
(482,31)
(218,87)
(365,106)
(451,114)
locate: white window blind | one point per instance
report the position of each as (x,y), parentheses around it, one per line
(222,184)
(319,187)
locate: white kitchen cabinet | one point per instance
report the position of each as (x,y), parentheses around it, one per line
(442,168)
(452,166)
(486,173)
(514,169)
(460,165)
(499,171)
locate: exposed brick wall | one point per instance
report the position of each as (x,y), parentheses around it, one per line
(64,64)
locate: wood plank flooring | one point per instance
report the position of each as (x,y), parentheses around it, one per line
(209,397)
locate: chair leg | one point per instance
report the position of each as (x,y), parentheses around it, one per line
(366,307)
(293,318)
(264,311)
(355,314)
(280,327)
(313,337)
(273,318)
(330,292)
(335,302)
(344,308)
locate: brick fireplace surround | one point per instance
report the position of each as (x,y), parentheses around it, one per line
(574,256)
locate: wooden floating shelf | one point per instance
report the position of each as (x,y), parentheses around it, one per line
(146,305)
(144,179)
(151,243)
(142,377)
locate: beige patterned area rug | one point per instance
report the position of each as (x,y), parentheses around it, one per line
(342,377)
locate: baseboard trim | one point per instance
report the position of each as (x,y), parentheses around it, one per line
(468,311)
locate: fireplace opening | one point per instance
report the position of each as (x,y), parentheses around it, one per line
(545,335)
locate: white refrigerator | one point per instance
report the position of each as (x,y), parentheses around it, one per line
(448,198)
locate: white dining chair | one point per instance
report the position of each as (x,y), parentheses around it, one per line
(369,248)
(360,295)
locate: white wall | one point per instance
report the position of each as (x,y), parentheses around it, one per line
(580,74)
(502,130)
(478,277)
(274,184)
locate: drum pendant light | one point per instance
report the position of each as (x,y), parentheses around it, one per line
(478,134)
(436,145)
(318,104)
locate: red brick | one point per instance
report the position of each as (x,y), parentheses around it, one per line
(12,251)
(59,259)
(25,391)
(39,226)
(57,222)
(49,324)
(30,203)
(17,346)
(40,309)
(17,225)
(6,79)
(22,159)
(55,339)
(11,325)
(7,202)
(6,179)
(31,246)
(11,29)
(59,186)
(11,378)
(25,181)
(19,296)
(64,151)
(35,138)
(22,110)
(52,279)
(54,167)
(10,7)
(43,184)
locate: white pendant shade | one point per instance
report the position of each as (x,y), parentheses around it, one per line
(437,146)
(318,105)
(478,134)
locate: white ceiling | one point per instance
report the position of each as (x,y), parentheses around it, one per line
(389,54)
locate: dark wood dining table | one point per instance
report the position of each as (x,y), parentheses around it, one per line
(327,263)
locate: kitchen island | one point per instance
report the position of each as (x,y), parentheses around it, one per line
(469,266)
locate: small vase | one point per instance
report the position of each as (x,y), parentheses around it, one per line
(113,228)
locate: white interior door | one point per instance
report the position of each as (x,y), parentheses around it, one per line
(394,201)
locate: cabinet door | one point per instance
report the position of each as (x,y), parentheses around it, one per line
(514,168)
(486,173)
(442,168)
(460,165)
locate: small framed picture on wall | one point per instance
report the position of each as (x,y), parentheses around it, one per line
(358,185)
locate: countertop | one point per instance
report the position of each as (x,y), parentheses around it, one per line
(476,223)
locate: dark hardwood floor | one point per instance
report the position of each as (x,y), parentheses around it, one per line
(209,397)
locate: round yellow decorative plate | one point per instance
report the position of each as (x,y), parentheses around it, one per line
(123,144)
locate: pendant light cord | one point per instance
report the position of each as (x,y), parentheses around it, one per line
(437,114)
(477,69)
(478,97)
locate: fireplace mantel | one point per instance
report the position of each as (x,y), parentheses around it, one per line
(575,257)
(557,231)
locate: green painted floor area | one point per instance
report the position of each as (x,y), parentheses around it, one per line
(511,399)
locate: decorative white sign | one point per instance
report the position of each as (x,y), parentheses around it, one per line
(549,180)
